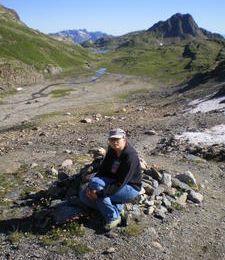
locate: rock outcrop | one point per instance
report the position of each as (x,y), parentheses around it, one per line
(181,26)
(15,73)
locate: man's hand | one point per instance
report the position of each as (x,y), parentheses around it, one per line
(91,194)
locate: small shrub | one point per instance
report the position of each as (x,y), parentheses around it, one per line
(133,230)
(76,246)
(15,237)
(176,205)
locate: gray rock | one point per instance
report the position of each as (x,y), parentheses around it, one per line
(166,202)
(150,132)
(55,203)
(149,210)
(53,171)
(38,175)
(52,69)
(148,188)
(181,185)
(136,212)
(181,200)
(143,198)
(187,177)
(98,152)
(166,179)
(12,195)
(63,212)
(149,203)
(159,190)
(86,120)
(196,197)
(68,151)
(155,184)
(154,173)
(157,245)
(67,163)
(143,163)
(170,191)
(195,158)
(110,250)
(160,212)
(33,165)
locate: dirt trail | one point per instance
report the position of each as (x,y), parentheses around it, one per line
(37,100)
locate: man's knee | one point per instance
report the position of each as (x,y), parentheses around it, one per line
(96,183)
(99,183)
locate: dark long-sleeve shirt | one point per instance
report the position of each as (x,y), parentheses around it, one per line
(124,169)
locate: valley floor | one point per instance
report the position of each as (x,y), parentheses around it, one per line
(46,130)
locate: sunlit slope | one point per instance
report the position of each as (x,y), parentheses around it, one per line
(22,48)
(145,54)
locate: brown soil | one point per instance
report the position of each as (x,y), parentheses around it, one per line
(28,134)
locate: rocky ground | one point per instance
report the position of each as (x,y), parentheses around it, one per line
(39,132)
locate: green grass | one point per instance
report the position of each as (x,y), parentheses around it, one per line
(133,229)
(75,246)
(7,183)
(156,63)
(176,205)
(61,233)
(49,116)
(15,237)
(82,159)
(30,47)
(130,94)
(170,63)
(64,238)
(24,51)
(6,93)
(56,93)
(135,53)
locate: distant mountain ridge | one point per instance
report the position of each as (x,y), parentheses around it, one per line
(80,35)
(181,26)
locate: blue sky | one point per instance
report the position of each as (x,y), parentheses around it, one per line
(115,17)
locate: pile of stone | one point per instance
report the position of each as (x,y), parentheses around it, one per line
(209,152)
(163,193)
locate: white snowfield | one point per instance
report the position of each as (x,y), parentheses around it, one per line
(214,135)
(205,105)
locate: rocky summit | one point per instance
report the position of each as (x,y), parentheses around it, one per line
(181,26)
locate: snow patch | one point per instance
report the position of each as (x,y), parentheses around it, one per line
(206,105)
(214,135)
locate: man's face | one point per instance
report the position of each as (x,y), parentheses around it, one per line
(117,143)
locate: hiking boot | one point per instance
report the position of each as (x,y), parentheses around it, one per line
(114,223)
(124,217)
(123,214)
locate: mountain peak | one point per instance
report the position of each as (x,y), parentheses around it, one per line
(80,35)
(181,26)
(9,13)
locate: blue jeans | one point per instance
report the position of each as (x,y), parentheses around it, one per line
(110,207)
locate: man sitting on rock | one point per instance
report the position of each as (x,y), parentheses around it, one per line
(118,180)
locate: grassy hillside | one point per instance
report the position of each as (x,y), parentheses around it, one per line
(175,61)
(24,51)
(21,43)
(22,48)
